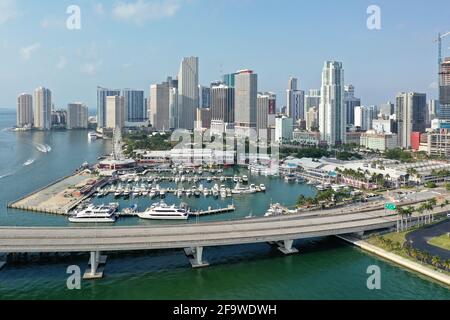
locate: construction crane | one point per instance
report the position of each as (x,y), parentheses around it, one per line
(439,41)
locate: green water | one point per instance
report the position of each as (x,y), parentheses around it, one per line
(326,268)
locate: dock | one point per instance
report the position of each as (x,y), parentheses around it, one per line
(61,196)
(210,211)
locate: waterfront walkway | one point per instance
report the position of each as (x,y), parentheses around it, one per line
(441,277)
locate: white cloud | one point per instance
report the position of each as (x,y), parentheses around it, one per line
(8,10)
(27,52)
(141,11)
(91,68)
(62,62)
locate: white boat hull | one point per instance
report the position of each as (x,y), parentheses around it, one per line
(92,220)
(161,217)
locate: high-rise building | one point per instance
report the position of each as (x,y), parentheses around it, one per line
(284,127)
(312,99)
(411,116)
(364,116)
(203,118)
(222,103)
(332,114)
(433,110)
(386,109)
(59,118)
(295,108)
(188,92)
(444,90)
(312,119)
(229,79)
(42,108)
(204,94)
(160,106)
(351,102)
(115,112)
(246,90)
(102,93)
(264,102)
(24,110)
(135,108)
(77,116)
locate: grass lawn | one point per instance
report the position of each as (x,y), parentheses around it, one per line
(441,242)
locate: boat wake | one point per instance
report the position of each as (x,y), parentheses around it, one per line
(6,175)
(28,162)
(44,148)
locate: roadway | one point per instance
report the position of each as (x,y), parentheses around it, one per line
(21,240)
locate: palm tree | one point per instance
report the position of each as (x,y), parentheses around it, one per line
(420,211)
(436,261)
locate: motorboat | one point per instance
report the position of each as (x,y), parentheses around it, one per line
(262,187)
(96,214)
(245,179)
(162,211)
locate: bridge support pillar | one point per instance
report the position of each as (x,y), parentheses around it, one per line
(197,254)
(3,259)
(285,247)
(96,266)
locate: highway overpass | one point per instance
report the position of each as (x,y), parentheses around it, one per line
(191,237)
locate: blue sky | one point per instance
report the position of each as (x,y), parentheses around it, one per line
(134,43)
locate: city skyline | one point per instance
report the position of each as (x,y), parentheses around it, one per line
(79,60)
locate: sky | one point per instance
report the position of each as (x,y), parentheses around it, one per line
(136,43)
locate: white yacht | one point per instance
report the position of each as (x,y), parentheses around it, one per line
(96,214)
(92,136)
(162,211)
(245,179)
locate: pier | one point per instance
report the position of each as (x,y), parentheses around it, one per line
(62,196)
(212,211)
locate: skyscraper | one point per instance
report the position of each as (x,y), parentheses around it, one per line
(135,108)
(411,116)
(364,116)
(77,116)
(229,79)
(387,109)
(102,93)
(115,112)
(312,119)
(264,102)
(24,110)
(351,102)
(312,99)
(295,108)
(332,113)
(444,90)
(42,108)
(160,106)
(204,94)
(222,107)
(188,92)
(246,90)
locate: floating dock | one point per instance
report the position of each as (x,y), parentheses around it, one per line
(210,211)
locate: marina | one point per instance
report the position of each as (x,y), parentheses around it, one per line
(247,271)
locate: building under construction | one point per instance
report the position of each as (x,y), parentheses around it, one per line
(444,89)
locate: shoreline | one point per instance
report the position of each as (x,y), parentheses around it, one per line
(411,265)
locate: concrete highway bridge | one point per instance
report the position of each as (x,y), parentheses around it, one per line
(280,231)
